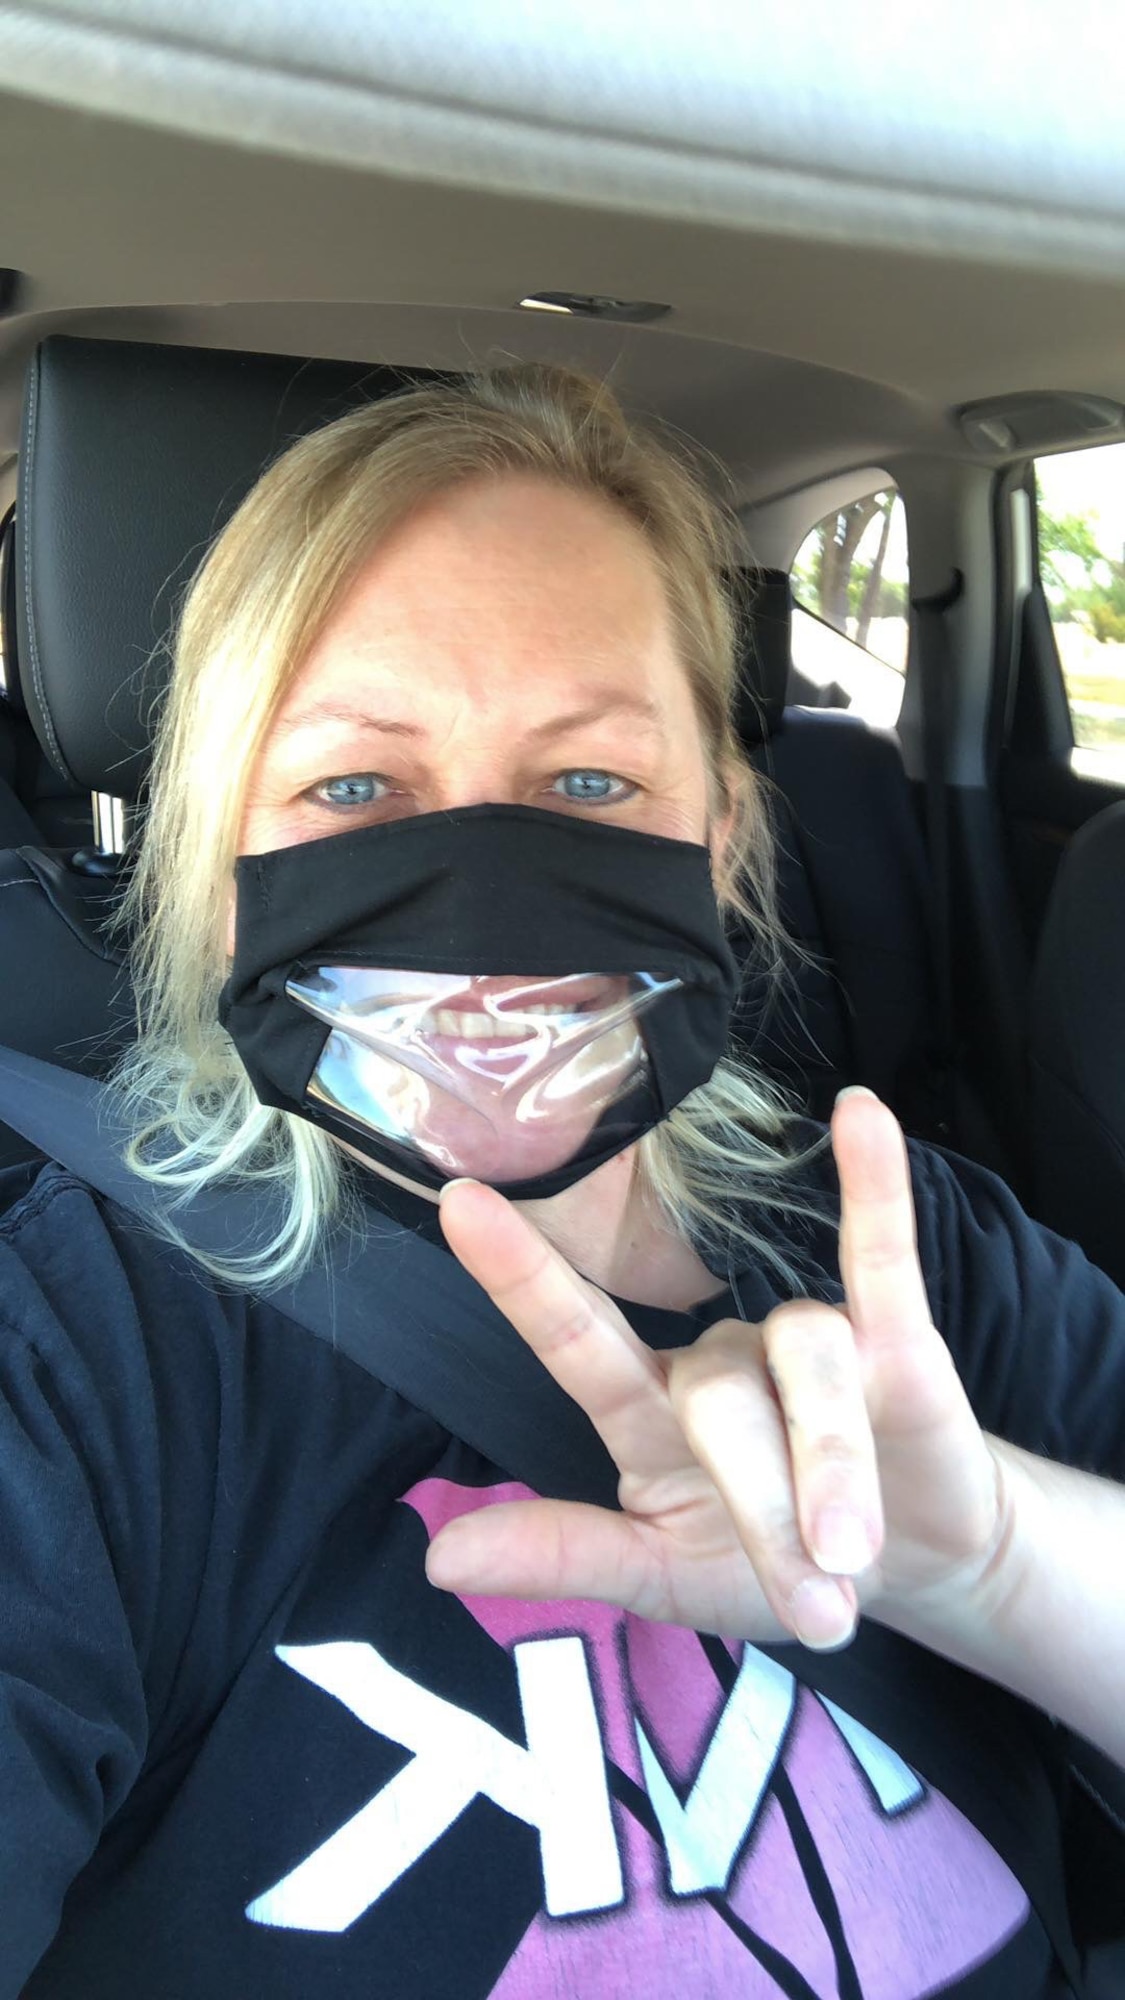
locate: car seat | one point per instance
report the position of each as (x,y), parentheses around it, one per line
(853,889)
(1077,1046)
(132,459)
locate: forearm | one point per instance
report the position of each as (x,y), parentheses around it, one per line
(1048,1619)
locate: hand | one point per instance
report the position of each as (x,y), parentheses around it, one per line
(775,1479)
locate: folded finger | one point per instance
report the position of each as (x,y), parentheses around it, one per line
(722,1395)
(815,1367)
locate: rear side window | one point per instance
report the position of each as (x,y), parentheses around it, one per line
(1081,508)
(851,618)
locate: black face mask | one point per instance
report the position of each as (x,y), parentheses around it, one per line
(500,991)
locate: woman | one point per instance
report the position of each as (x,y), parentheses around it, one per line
(300,1695)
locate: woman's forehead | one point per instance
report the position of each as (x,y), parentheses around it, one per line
(510,588)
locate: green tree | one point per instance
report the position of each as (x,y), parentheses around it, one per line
(830,580)
(1107,625)
(873,581)
(1098,599)
(1067,535)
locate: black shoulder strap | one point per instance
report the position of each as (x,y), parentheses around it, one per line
(401,1307)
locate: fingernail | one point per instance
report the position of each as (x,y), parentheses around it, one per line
(461,1180)
(822,1615)
(841,1543)
(853,1090)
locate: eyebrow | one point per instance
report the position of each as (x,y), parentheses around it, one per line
(352,715)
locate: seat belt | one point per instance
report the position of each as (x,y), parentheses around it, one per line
(404,1309)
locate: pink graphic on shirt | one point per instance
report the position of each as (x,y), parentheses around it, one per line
(921,1896)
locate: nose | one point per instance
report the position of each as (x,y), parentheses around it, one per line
(476,782)
(472,755)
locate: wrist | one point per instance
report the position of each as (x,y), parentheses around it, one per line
(1043,1615)
(971,1613)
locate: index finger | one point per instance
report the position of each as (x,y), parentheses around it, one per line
(576,1331)
(883,1284)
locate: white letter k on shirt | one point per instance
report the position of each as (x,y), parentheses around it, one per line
(557,1784)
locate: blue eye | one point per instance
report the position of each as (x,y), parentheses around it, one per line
(361,788)
(591,788)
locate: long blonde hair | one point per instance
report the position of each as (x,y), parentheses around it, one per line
(256,607)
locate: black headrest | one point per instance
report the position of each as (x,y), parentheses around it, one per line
(133,458)
(765,610)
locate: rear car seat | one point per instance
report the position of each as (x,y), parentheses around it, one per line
(133,459)
(1077,1047)
(16,823)
(1077,1087)
(853,888)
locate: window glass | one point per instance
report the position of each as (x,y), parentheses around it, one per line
(851,617)
(1082,567)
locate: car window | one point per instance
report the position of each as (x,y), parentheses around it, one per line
(850,617)
(1081,510)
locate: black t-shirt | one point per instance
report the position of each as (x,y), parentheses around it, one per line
(245,1749)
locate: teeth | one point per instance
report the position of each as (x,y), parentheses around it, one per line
(477,1027)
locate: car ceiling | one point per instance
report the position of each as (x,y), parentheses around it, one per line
(849,255)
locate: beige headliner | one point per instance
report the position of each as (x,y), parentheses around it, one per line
(791,356)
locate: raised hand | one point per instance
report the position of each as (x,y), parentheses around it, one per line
(775,1479)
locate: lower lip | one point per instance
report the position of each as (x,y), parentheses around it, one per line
(499,1059)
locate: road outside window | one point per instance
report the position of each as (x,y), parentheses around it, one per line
(850,619)
(1082,567)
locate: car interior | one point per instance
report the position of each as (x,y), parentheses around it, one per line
(192,279)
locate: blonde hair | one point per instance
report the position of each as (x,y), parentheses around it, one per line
(256,607)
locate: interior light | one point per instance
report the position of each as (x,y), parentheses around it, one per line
(595,305)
